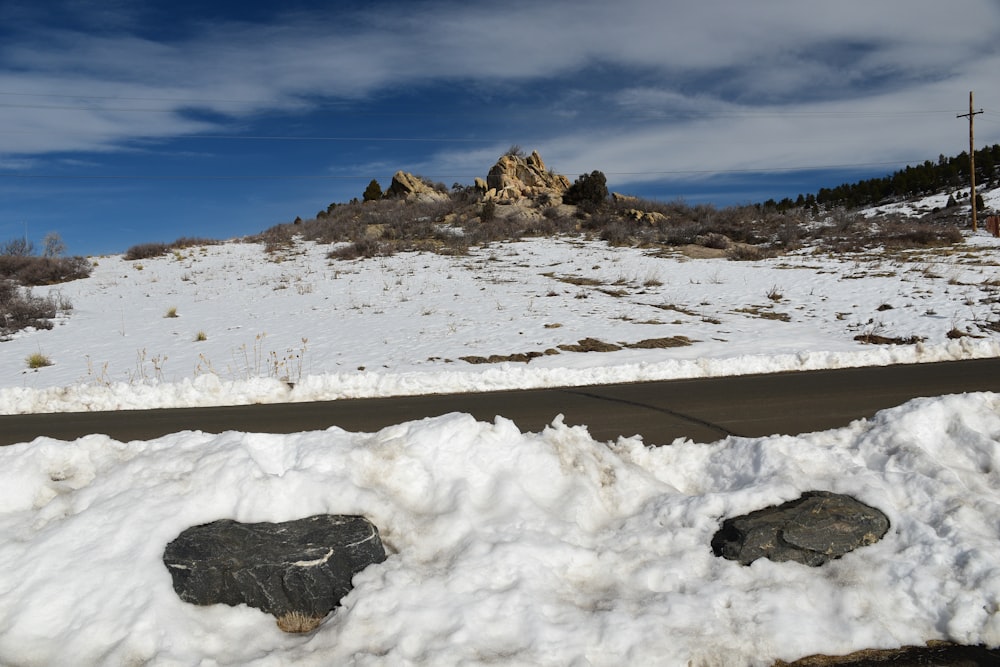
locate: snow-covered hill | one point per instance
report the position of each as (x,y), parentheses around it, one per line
(248,325)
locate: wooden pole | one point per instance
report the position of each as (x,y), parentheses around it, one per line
(972,157)
(972,161)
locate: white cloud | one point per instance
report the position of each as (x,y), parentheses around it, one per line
(774,66)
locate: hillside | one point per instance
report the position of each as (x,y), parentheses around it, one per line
(520,198)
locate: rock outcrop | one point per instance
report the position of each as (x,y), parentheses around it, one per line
(298,568)
(412,188)
(813,529)
(514,177)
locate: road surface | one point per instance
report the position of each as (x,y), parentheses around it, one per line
(704,410)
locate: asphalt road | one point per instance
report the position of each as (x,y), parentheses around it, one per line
(704,410)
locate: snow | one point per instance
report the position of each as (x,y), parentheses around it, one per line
(925,205)
(299,327)
(505,547)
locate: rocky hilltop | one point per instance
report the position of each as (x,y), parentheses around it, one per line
(515,179)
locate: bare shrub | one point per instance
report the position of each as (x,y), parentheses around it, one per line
(192,241)
(146,251)
(274,238)
(714,240)
(919,235)
(746,253)
(888,232)
(617,234)
(681,234)
(19,247)
(362,249)
(20,309)
(28,270)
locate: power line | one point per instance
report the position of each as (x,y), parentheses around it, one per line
(306,177)
(205,104)
(239,137)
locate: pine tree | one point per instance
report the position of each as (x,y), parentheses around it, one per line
(589,188)
(373,192)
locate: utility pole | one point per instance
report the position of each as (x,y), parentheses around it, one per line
(972,156)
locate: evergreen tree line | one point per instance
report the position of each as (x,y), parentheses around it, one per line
(913,181)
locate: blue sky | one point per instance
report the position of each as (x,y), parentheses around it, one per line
(127,121)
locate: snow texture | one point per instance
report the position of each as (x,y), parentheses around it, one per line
(504,547)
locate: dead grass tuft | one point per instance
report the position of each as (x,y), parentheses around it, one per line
(37,360)
(297,622)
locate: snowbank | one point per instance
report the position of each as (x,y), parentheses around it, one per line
(506,547)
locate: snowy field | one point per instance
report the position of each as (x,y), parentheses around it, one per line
(229,324)
(504,547)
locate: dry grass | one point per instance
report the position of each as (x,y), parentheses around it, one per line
(37,360)
(297,622)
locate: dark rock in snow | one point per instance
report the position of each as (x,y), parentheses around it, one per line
(303,566)
(815,528)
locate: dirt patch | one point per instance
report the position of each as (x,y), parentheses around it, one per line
(579,281)
(590,345)
(521,357)
(660,343)
(875,339)
(583,345)
(935,653)
(764,313)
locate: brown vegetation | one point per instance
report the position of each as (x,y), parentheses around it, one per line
(451,225)
(150,250)
(20,309)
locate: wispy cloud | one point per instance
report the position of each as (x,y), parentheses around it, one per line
(655,86)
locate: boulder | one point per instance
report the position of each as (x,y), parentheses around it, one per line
(514,177)
(302,567)
(412,188)
(645,217)
(813,529)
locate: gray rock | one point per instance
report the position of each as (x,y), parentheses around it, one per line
(303,566)
(815,528)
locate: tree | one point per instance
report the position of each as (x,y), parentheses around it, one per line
(589,188)
(20,247)
(373,192)
(52,245)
